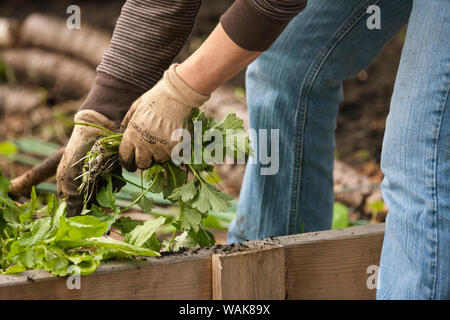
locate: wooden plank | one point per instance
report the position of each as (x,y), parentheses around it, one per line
(255,274)
(332,264)
(322,265)
(167,278)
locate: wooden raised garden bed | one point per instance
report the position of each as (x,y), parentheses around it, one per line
(321,265)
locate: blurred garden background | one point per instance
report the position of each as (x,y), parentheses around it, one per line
(46,70)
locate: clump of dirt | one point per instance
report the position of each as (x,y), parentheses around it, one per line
(216,249)
(181,252)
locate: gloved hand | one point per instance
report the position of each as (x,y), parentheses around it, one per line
(80,142)
(153,117)
(106,105)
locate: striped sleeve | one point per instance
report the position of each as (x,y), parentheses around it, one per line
(147,37)
(255,24)
(150,33)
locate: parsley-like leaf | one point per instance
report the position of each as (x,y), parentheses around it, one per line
(176,177)
(184,193)
(210,199)
(184,240)
(191,219)
(203,237)
(144,203)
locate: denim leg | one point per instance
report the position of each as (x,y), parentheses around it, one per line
(415,260)
(296,87)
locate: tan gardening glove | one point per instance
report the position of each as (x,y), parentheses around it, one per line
(81,141)
(153,117)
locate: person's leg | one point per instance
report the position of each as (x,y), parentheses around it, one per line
(415,260)
(296,87)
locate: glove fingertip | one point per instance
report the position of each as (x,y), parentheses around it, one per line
(74,205)
(144,158)
(127,158)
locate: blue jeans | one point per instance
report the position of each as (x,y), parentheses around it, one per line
(296,86)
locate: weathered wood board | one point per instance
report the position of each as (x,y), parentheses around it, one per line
(322,265)
(255,274)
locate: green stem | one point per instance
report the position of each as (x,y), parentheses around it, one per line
(180,211)
(196,174)
(176,229)
(130,182)
(116,138)
(140,196)
(127,181)
(95,126)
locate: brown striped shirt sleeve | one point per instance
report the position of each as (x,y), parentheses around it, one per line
(255,24)
(147,37)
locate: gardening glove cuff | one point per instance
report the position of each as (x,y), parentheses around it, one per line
(153,118)
(80,142)
(111,97)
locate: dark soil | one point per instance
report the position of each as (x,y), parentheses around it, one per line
(216,249)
